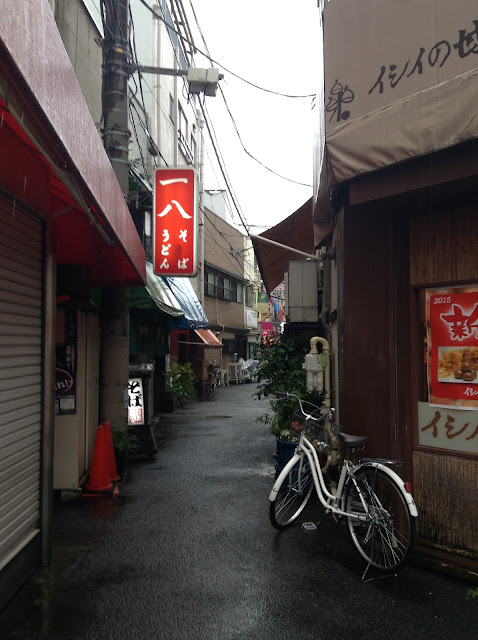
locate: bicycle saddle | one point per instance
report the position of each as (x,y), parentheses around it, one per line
(352,442)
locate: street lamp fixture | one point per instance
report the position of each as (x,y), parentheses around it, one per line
(200,80)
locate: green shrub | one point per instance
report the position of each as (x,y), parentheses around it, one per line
(280,369)
(124,441)
(181,382)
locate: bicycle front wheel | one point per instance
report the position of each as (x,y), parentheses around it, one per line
(293,494)
(387,536)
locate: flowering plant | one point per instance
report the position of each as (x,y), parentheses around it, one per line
(292,434)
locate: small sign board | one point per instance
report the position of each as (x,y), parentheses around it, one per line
(135,401)
(446,428)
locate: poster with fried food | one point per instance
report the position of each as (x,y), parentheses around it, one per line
(452,344)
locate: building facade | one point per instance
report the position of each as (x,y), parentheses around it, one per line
(65,228)
(396,217)
(229,285)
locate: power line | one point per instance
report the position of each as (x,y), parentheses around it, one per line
(231,248)
(223,168)
(244,223)
(250,154)
(230,113)
(234,196)
(212,61)
(226,254)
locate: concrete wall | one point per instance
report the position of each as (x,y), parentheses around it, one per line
(223,245)
(153,118)
(82,40)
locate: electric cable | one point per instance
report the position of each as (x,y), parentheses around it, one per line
(232,117)
(135,133)
(244,223)
(212,61)
(221,163)
(231,248)
(250,154)
(215,144)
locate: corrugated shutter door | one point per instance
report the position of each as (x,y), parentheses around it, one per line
(20,377)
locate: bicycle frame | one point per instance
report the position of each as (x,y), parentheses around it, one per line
(331,501)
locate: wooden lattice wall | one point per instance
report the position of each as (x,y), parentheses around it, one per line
(445,489)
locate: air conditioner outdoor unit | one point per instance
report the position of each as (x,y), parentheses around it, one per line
(301,299)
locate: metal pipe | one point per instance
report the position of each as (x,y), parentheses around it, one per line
(326,350)
(201,216)
(284,246)
(48,398)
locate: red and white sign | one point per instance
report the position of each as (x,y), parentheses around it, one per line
(135,401)
(452,336)
(175,222)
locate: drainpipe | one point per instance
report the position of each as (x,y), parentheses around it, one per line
(325,313)
(333,456)
(114,357)
(48,399)
(201,229)
(326,351)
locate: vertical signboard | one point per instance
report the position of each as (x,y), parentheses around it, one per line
(135,401)
(66,366)
(452,336)
(175,222)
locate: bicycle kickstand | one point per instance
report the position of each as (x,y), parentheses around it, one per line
(325,515)
(373,579)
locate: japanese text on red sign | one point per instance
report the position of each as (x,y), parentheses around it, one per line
(175,222)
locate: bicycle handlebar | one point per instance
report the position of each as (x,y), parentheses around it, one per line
(287,394)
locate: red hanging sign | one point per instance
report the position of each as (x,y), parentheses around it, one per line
(452,336)
(175,222)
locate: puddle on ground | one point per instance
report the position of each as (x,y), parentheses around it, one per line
(103,509)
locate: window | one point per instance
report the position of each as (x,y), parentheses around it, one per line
(171,107)
(222,287)
(183,129)
(249,296)
(209,284)
(193,149)
(148,248)
(228,346)
(183,123)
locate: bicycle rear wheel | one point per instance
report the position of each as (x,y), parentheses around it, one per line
(386,538)
(293,494)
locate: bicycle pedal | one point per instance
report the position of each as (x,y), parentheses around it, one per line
(309,526)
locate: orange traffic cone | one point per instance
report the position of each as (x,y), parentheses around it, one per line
(110,452)
(99,481)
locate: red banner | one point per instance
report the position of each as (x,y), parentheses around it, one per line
(175,222)
(452,334)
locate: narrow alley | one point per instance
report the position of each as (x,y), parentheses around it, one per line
(186,551)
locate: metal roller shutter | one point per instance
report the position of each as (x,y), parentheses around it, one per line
(20,377)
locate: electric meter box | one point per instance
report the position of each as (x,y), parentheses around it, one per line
(314,372)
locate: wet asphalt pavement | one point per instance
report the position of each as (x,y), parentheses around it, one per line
(186,551)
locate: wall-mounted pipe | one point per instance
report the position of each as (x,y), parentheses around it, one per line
(326,350)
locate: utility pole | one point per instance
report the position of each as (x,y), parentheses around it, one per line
(201,209)
(115,300)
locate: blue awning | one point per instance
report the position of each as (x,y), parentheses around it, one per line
(184,293)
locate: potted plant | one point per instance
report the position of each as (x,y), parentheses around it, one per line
(125,443)
(280,369)
(181,382)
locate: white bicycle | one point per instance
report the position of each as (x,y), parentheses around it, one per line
(377,504)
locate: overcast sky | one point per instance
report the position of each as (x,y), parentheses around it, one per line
(277,45)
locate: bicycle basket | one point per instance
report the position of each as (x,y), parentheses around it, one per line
(316,427)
